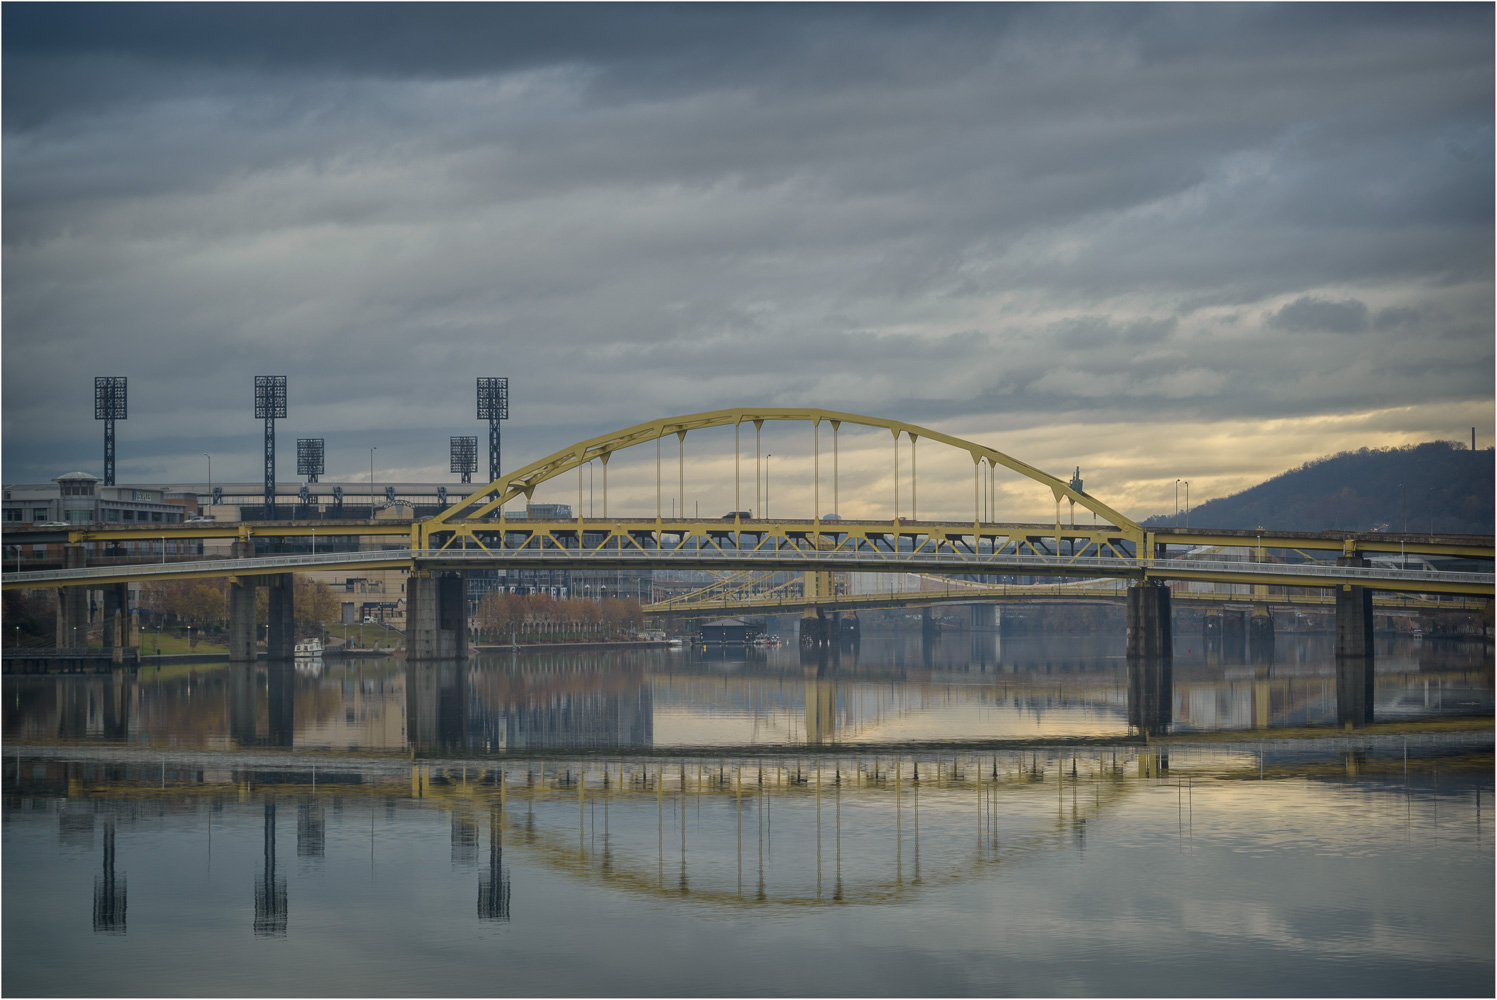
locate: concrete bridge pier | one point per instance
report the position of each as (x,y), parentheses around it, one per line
(1150,625)
(72,603)
(241,609)
(436,617)
(1261,635)
(927,624)
(984,616)
(116,602)
(1234,636)
(1354,650)
(813,629)
(241,620)
(280,638)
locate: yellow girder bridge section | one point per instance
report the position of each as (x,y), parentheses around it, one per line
(522,482)
(783,593)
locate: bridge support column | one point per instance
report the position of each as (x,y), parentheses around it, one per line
(1261,635)
(813,629)
(1150,625)
(280,639)
(1354,650)
(116,600)
(984,617)
(72,603)
(927,624)
(1234,636)
(241,610)
(436,617)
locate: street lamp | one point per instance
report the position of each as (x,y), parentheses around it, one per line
(1403,500)
(1187,505)
(1177,503)
(314,541)
(371,479)
(766,485)
(210,476)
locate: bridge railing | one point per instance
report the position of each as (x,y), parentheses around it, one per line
(972,563)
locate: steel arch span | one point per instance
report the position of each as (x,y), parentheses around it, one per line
(523,482)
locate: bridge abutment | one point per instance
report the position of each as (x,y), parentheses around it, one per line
(1150,626)
(984,616)
(436,617)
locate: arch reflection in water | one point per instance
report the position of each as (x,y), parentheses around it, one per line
(849,829)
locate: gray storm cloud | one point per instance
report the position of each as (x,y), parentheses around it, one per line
(944,213)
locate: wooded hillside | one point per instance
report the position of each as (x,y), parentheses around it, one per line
(1447,488)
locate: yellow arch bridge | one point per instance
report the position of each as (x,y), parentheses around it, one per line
(477,533)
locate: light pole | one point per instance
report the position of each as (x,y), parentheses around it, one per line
(314,541)
(1177,503)
(371,479)
(210,476)
(766,485)
(589,489)
(1403,500)
(163,548)
(1187,505)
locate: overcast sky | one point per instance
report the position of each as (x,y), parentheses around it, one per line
(1202,242)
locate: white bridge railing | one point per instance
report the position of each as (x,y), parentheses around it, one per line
(1291,574)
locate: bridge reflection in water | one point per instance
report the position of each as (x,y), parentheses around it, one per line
(915,694)
(789,830)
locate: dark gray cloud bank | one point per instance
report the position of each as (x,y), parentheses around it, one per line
(975,216)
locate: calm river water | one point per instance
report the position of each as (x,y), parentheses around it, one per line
(973,816)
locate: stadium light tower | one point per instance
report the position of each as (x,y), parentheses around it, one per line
(493,406)
(270,406)
(309,458)
(465,456)
(109,406)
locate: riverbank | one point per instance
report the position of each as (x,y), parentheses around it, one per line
(527,646)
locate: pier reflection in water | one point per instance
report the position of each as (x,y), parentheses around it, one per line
(884,692)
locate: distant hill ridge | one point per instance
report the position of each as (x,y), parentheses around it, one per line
(1447,489)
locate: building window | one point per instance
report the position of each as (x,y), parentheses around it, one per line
(13,515)
(155,515)
(39,514)
(114,515)
(129,515)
